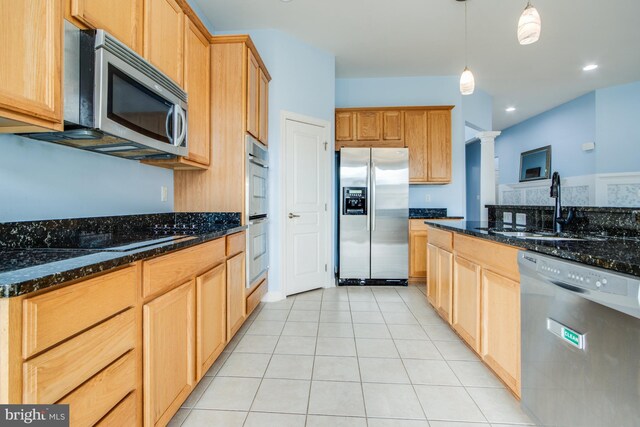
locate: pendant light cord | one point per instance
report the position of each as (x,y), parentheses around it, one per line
(466,54)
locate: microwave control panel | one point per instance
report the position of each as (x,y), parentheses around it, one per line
(354,201)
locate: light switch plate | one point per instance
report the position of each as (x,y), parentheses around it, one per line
(507,217)
(164,194)
(521,219)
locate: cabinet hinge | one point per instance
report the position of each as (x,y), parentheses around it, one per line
(325,267)
(325,145)
(325,207)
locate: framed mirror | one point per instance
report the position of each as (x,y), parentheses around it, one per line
(535,164)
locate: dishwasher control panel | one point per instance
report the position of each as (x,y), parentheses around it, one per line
(614,290)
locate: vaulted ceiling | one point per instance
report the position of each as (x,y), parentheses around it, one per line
(375,38)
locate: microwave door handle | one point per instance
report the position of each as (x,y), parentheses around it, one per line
(182,125)
(166,125)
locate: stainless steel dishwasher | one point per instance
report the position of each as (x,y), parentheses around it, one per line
(580,344)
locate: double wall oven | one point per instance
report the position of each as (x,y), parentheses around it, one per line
(257,174)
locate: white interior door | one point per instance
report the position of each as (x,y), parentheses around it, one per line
(306,175)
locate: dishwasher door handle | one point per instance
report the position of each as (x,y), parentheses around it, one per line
(568,287)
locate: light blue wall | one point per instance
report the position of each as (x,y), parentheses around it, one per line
(407,91)
(565,128)
(617,137)
(478,110)
(472,159)
(303,82)
(40,180)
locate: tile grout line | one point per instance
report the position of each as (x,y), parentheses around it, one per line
(355,344)
(265,371)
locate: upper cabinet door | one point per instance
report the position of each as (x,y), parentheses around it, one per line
(121,18)
(344,126)
(415,139)
(164,37)
(263,111)
(439,146)
(253,95)
(31,66)
(368,125)
(393,126)
(197,84)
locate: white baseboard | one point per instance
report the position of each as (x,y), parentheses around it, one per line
(273,297)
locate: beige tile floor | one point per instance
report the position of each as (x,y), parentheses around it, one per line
(357,356)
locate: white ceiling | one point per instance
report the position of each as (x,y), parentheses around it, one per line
(374,38)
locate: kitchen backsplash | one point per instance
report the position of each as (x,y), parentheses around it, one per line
(617,189)
(603,220)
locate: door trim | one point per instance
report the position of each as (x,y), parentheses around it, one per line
(326,125)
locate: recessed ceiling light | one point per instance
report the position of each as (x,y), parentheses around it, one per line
(510,109)
(590,67)
(285,1)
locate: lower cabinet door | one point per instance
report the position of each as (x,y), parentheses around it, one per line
(169,353)
(211,325)
(432,275)
(501,327)
(445,283)
(466,301)
(235,294)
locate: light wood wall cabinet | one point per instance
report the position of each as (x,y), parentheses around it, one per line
(197,84)
(164,37)
(425,131)
(31,66)
(121,18)
(417,250)
(235,288)
(485,304)
(221,188)
(257,99)
(263,110)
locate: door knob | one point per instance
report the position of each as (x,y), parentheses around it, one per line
(291,215)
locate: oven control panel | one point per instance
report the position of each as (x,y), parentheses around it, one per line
(354,201)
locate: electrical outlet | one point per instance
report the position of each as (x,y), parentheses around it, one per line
(427,197)
(521,219)
(164,194)
(507,217)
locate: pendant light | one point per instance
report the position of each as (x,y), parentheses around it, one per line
(529,25)
(467,81)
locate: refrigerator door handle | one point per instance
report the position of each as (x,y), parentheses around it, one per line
(373,196)
(368,195)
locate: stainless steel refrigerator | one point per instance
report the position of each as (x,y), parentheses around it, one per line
(374,212)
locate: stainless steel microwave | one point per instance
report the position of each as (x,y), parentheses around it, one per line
(116,102)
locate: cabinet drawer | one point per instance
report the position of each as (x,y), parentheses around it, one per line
(52,375)
(161,273)
(123,415)
(256,296)
(441,239)
(417,225)
(55,316)
(95,398)
(498,257)
(236,243)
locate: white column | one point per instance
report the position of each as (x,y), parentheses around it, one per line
(487,171)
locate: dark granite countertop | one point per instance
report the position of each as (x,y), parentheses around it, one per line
(430,213)
(618,254)
(38,255)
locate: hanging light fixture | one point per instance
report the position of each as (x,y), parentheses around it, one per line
(529,25)
(467,81)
